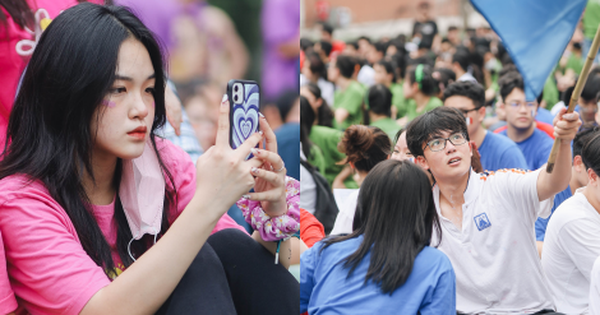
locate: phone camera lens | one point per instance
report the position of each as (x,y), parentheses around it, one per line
(236,88)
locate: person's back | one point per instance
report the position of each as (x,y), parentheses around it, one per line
(385,266)
(335,293)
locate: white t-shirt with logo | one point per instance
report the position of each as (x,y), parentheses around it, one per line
(498,270)
(571,246)
(595,289)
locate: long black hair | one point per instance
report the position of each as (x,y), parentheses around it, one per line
(324,113)
(70,72)
(396,215)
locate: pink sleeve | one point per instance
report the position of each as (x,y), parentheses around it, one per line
(49,270)
(8,303)
(183,171)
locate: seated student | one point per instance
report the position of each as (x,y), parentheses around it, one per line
(386,265)
(348,98)
(420,89)
(70,210)
(572,241)
(324,115)
(379,104)
(385,74)
(315,72)
(8,303)
(327,140)
(534,143)
(595,289)
(497,152)
(521,128)
(487,219)
(460,65)
(365,147)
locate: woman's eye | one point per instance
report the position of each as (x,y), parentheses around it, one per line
(118,90)
(150,90)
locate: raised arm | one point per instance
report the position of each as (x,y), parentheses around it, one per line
(565,128)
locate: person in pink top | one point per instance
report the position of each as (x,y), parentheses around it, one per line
(98,215)
(21,25)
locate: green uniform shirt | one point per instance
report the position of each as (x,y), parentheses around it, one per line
(351,100)
(398,99)
(327,140)
(591,18)
(412,107)
(388,126)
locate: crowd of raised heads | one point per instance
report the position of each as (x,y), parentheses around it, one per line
(507,236)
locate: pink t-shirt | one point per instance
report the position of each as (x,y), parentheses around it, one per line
(49,269)
(8,303)
(16,49)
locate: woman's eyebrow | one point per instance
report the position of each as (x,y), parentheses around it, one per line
(126,78)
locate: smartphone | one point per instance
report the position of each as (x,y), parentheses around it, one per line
(244,102)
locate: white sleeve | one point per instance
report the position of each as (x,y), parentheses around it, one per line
(345,218)
(581,242)
(595,289)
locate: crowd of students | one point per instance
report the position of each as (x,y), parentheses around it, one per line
(519,239)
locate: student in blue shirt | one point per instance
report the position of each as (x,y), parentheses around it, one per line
(497,152)
(385,266)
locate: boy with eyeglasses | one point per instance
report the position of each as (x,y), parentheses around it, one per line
(487,219)
(520,117)
(497,152)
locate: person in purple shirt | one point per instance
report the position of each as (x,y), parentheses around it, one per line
(281,46)
(497,152)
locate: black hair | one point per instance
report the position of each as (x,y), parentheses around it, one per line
(591,87)
(346,64)
(399,60)
(327,28)
(324,114)
(463,59)
(510,81)
(446,40)
(365,38)
(473,91)
(307,118)
(452,28)
(381,46)
(429,85)
(69,74)
(285,102)
(380,100)
(353,44)
(587,132)
(431,125)
(306,44)
(397,136)
(365,146)
(444,76)
(395,229)
(590,154)
(317,66)
(326,47)
(389,67)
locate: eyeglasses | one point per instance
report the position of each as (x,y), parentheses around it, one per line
(439,144)
(516,104)
(467,111)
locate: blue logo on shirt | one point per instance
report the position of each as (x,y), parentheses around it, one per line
(482,221)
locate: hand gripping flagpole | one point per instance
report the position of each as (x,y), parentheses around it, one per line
(576,94)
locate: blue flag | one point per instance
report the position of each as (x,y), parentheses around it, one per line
(535,33)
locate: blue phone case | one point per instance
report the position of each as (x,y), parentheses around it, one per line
(244,109)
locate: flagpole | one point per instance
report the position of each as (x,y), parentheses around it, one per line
(576,93)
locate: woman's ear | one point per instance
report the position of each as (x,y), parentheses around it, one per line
(422,162)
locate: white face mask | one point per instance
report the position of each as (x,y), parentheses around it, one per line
(142,193)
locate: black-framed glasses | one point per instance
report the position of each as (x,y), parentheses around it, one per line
(467,111)
(439,144)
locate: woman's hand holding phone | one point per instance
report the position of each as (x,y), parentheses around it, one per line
(270,178)
(222,173)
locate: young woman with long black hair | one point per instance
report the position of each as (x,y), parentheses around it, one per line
(385,266)
(99,216)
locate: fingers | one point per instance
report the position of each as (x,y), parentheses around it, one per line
(271,158)
(566,125)
(245,148)
(275,195)
(223,124)
(271,140)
